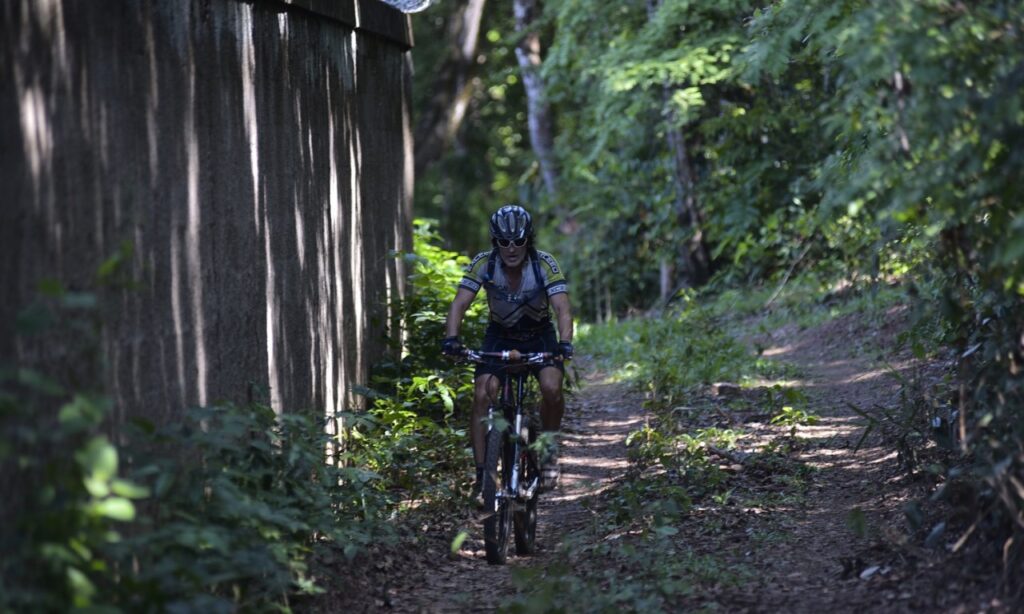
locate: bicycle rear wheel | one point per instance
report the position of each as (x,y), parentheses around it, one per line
(497,469)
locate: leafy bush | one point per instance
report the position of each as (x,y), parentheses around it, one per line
(433,277)
(231,506)
(71,497)
(669,355)
(414,433)
(56,460)
(243,502)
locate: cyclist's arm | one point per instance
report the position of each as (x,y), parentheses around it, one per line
(563,315)
(463,299)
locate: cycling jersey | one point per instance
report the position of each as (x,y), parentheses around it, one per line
(527,308)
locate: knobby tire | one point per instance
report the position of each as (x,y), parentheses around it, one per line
(498,509)
(525,519)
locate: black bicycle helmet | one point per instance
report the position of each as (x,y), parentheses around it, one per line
(511,222)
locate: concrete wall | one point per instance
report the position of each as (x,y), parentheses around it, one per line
(257,155)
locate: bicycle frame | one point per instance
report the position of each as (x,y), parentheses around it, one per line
(520,439)
(515,369)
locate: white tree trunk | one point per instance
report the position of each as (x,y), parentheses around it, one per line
(538,111)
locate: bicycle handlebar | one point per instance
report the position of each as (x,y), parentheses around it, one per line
(508,356)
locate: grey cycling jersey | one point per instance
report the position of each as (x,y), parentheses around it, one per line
(525,307)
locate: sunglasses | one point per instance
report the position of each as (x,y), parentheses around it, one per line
(521,241)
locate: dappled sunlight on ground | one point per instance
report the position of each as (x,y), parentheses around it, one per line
(832,535)
(806,518)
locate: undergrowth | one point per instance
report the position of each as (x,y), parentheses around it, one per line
(224,509)
(689,346)
(229,507)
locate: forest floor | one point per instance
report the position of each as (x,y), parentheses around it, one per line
(821,526)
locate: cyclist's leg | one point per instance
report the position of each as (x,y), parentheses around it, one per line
(549,378)
(552,408)
(552,401)
(484,394)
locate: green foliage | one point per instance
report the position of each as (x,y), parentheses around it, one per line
(789,408)
(434,274)
(490,161)
(57,460)
(74,500)
(670,355)
(414,433)
(236,505)
(230,507)
(926,99)
(648,574)
(243,504)
(793,417)
(690,473)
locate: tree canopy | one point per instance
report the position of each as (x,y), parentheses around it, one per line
(854,140)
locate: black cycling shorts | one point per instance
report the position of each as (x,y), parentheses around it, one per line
(544,341)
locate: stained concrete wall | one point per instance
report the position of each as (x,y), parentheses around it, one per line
(257,155)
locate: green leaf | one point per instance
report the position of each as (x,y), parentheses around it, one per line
(98,458)
(857,522)
(115,508)
(458,541)
(82,589)
(127,489)
(96,487)
(82,413)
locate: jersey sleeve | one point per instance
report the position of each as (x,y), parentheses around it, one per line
(473,278)
(554,278)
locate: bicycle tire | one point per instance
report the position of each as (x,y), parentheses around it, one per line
(498,509)
(525,520)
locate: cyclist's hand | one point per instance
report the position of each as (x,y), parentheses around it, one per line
(565,350)
(451,346)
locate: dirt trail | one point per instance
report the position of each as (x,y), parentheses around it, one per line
(598,418)
(797,549)
(819,561)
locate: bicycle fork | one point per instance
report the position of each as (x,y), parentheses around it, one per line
(520,442)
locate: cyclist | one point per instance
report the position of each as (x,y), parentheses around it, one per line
(523,286)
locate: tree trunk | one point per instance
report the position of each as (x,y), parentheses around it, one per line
(538,110)
(541,125)
(665,279)
(694,261)
(694,258)
(452,88)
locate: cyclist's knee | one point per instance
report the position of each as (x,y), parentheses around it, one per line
(551,392)
(485,389)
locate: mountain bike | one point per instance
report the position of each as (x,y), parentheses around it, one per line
(511,479)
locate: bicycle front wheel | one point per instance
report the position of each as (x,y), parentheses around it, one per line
(497,470)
